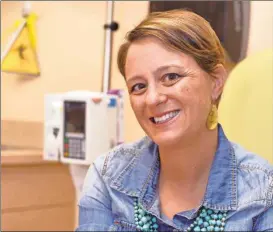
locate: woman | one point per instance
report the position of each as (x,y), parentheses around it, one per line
(185,175)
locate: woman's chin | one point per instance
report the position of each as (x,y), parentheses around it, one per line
(166,139)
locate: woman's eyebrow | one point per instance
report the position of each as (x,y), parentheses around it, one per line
(166,67)
(133,78)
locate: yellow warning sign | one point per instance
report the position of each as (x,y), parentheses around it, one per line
(20,55)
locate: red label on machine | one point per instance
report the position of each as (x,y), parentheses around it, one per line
(96,100)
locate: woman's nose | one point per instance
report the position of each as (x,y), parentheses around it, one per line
(155,96)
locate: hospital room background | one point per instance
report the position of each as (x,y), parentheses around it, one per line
(56,53)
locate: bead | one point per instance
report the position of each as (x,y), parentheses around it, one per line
(192,225)
(220,216)
(223,224)
(216,228)
(218,223)
(210,228)
(140,211)
(209,211)
(203,229)
(155,226)
(206,224)
(146,227)
(221,228)
(144,219)
(212,222)
(203,214)
(207,218)
(200,221)
(197,228)
(223,219)
(214,216)
(140,223)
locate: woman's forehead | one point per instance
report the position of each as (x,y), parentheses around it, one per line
(151,54)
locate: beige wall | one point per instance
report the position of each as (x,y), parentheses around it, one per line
(261,26)
(70,48)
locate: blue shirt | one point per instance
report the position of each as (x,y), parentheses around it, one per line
(239,182)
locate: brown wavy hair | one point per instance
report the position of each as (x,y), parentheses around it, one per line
(180,30)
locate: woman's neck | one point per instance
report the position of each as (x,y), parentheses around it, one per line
(189,163)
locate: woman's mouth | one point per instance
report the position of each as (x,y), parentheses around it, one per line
(165,118)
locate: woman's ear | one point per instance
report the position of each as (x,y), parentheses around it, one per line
(219,76)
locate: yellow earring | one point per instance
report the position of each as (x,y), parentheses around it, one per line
(212,120)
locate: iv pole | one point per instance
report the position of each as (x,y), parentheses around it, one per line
(109,27)
(26,9)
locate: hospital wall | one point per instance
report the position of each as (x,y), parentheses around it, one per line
(70,49)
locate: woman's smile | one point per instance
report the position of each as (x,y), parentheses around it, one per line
(165,119)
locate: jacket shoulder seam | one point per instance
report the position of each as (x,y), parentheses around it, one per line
(255,167)
(124,150)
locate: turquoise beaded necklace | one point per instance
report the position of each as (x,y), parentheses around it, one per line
(143,220)
(207,220)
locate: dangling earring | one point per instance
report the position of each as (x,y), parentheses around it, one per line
(212,120)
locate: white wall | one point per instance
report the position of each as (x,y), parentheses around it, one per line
(261,26)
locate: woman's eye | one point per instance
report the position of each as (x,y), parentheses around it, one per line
(137,88)
(171,77)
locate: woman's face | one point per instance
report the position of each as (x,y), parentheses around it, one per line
(169,93)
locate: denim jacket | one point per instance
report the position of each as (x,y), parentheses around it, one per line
(239,182)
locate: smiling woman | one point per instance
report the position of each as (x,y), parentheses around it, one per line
(171,81)
(185,174)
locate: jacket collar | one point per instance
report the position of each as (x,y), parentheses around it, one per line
(143,169)
(139,171)
(221,192)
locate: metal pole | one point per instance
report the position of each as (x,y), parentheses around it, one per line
(108,48)
(26,8)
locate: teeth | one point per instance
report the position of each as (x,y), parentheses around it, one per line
(166,117)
